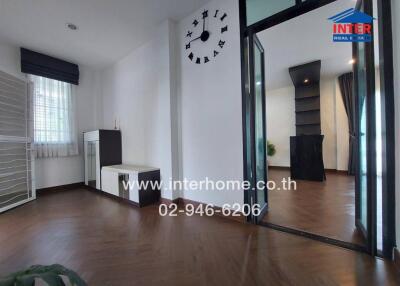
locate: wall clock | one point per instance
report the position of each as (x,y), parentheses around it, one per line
(205,39)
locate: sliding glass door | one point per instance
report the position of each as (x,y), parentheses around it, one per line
(361,176)
(364,83)
(255,141)
(260,127)
(385,129)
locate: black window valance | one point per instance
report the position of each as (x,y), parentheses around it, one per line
(46,66)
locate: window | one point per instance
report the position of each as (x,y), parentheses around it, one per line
(54,125)
(260,9)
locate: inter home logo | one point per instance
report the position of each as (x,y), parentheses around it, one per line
(352,26)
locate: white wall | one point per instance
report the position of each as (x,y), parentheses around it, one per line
(137,92)
(396,49)
(10,60)
(342,132)
(68,170)
(328,122)
(211,114)
(334,126)
(281,120)
(281,123)
(181,117)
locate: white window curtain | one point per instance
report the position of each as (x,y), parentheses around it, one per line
(55,131)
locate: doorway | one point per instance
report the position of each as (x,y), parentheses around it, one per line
(332,204)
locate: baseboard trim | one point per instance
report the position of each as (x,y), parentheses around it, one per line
(47,191)
(396,256)
(334,171)
(169,202)
(282,168)
(279,168)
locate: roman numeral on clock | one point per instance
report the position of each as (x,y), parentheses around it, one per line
(201,21)
(223,17)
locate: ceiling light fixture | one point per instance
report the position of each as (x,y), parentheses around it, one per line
(352,62)
(306,80)
(72,27)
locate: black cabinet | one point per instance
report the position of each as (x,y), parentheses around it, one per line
(306,159)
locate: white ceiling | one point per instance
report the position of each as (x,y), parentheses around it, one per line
(304,39)
(108,29)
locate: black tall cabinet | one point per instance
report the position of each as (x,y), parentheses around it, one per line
(306,158)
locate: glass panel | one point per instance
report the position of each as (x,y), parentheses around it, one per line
(248,115)
(260,140)
(362,91)
(91,153)
(123,181)
(379,135)
(260,9)
(248,112)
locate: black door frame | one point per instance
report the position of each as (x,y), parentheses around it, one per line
(388,126)
(387,94)
(384,22)
(253,194)
(369,233)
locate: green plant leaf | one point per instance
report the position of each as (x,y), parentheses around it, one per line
(271,150)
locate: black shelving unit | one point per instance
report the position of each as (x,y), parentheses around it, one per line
(306,79)
(306,160)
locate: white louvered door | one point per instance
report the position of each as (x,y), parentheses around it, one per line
(16,160)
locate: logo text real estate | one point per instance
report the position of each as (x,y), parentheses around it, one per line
(352,26)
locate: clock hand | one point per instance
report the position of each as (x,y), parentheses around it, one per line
(194,39)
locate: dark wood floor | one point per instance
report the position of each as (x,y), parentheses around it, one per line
(323,208)
(110,243)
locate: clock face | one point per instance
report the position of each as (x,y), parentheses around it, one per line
(205,39)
